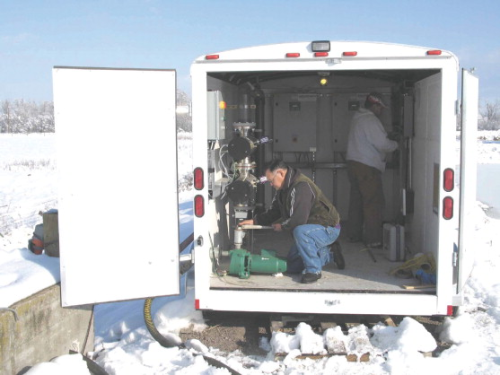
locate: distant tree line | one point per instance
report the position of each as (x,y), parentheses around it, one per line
(19,116)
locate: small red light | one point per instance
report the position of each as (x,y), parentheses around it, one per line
(199,206)
(293,54)
(449,310)
(448,180)
(196,304)
(350,53)
(320,54)
(434,52)
(448,208)
(198,178)
(211,57)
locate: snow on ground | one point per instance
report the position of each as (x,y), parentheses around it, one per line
(27,185)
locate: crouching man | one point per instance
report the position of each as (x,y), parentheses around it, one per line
(299,206)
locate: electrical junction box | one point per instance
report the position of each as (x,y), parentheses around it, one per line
(216,112)
(295,122)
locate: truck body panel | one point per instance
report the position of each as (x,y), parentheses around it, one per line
(468,176)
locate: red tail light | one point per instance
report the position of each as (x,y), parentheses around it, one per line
(350,53)
(448,208)
(448,179)
(449,310)
(293,54)
(196,304)
(198,178)
(434,52)
(211,57)
(199,206)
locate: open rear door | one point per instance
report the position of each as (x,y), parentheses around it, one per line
(468,175)
(117,161)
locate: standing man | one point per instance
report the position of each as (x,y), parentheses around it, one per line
(300,207)
(366,152)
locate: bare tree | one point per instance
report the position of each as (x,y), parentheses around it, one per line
(490,116)
(5,117)
(184,121)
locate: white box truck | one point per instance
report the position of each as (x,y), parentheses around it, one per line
(292,101)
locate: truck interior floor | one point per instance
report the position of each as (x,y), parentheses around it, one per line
(364,272)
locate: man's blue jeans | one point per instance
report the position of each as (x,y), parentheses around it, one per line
(311,252)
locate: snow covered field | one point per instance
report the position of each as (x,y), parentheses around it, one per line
(28,185)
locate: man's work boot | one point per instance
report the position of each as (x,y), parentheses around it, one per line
(309,278)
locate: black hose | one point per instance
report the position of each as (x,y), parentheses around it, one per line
(148,319)
(93,367)
(164,341)
(167,342)
(170,343)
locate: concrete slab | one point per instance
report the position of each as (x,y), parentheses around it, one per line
(40,329)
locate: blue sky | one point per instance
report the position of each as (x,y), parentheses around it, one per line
(36,35)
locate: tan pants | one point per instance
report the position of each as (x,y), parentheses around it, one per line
(366,202)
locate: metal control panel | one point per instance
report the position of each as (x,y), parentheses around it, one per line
(216,112)
(295,122)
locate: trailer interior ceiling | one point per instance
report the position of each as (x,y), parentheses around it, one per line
(407,77)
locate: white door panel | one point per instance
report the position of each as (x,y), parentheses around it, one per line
(117,161)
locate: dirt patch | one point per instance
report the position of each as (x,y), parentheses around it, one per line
(229,331)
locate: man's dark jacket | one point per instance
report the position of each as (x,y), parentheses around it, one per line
(299,201)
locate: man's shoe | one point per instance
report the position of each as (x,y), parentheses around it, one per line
(309,278)
(338,257)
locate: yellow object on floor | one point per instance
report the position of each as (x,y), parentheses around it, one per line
(422,261)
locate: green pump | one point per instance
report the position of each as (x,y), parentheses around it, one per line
(243,262)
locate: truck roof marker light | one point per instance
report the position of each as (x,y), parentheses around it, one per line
(447,208)
(434,52)
(199,206)
(350,53)
(293,54)
(320,54)
(212,57)
(320,46)
(448,179)
(198,178)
